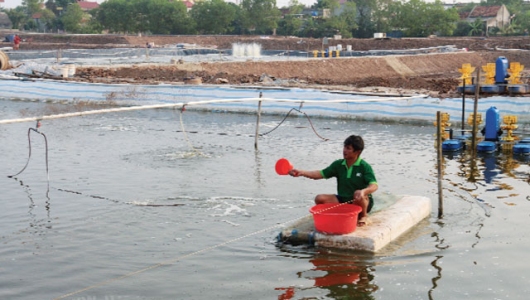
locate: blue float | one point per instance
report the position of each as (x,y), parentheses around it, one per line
(451,145)
(521,148)
(486,146)
(493,89)
(518,89)
(470,89)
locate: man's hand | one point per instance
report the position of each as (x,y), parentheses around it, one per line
(358,195)
(295,173)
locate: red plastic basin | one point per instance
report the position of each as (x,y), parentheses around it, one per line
(335,218)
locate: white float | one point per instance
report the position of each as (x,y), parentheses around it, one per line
(385,226)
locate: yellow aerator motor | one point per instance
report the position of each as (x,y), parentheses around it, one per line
(466,72)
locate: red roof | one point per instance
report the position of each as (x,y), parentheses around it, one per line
(87,5)
(484,11)
(188,4)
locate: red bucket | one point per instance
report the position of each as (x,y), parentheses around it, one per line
(335,218)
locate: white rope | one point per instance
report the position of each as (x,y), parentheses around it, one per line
(186,136)
(177,105)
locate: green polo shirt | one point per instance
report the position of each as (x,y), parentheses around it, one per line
(357,177)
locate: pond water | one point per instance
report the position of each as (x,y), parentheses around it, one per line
(159,204)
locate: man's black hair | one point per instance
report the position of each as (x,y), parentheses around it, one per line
(355,141)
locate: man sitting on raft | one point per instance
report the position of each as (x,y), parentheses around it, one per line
(355,179)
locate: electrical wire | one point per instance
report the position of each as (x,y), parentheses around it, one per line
(29,155)
(308,119)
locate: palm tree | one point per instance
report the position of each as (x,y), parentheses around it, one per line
(477,27)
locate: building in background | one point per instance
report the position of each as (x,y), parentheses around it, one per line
(493,16)
(87,5)
(5,22)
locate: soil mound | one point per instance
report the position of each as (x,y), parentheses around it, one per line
(436,74)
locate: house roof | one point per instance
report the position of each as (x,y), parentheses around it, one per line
(4,18)
(484,11)
(36,16)
(464,15)
(87,5)
(189,4)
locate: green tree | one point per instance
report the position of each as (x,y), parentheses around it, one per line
(92,25)
(58,6)
(310,28)
(64,3)
(441,21)
(328,4)
(32,6)
(47,20)
(523,19)
(291,23)
(213,16)
(260,16)
(154,16)
(168,17)
(346,23)
(237,24)
(462,28)
(336,25)
(381,16)
(117,16)
(418,18)
(17,16)
(477,27)
(365,23)
(295,7)
(72,18)
(511,29)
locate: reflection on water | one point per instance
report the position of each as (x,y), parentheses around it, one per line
(438,275)
(38,224)
(337,274)
(488,167)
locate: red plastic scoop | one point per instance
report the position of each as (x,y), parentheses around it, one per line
(283,166)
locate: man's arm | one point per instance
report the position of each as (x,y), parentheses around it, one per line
(308,174)
(370,189)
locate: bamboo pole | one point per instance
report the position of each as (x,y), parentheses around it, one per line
(463,106)
(257,122)
(439,160)
(475,108)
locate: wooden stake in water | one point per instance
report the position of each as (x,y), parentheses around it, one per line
(475,108)
(463,106)
(257,123)
(439,155)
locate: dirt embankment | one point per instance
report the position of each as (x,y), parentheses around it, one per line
(59,41)
(434,73)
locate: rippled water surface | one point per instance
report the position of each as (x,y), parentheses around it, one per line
(158,205)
